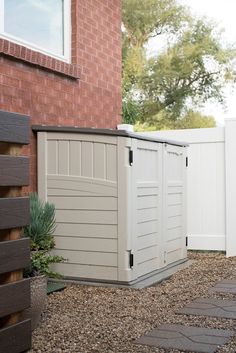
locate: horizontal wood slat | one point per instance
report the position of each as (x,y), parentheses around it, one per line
(16,338)
(14,297)
(14,255)
(14,171)
(14,212)
(14,128)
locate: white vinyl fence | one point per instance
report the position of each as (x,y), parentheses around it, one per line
(211,186)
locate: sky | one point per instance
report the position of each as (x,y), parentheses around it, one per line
(223,12)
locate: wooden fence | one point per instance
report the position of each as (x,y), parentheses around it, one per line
(15,332)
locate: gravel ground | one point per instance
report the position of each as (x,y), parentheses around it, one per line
(88,319)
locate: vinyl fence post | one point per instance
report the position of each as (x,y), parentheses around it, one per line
(230,180)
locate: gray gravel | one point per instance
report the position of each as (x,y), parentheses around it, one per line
(88,319)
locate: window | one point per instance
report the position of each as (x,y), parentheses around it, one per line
(42,25)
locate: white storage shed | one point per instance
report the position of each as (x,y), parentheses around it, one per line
(120,203)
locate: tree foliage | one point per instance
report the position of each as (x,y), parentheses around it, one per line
(144,19)
(195,69)
(131,110)
(194,120)
(192,70)
(191,120)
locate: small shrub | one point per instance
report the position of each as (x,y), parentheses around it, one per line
(42,224)
(40,264)
(40,231)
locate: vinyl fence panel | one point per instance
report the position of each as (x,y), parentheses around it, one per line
(211,194)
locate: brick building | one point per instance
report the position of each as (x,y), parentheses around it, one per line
(60,63)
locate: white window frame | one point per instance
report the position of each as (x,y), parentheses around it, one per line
(66,37)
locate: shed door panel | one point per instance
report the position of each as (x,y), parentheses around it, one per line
(174,203)
(147,201)
(81,180)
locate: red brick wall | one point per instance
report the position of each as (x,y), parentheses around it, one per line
(49,91)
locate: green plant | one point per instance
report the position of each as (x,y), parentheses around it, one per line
(40,264)
(42,224)
(40,231)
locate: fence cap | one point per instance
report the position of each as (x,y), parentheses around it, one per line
(109,132)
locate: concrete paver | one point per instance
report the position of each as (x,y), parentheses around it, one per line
(210,307)
(185,338)
(225,286)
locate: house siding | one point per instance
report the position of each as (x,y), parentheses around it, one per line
(48,91)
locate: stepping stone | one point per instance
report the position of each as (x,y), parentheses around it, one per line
(211,307)
(54,287)
(185,338)
(225,286)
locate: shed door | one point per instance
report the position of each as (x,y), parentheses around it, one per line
(78,173)
(174,203)
(147,196)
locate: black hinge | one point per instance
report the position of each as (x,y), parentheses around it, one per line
(186,241)
(131,157)
(131,260)
(186,161)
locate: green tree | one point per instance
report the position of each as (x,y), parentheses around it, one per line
(190,72)
(143,20)
(193,69)
(131,109)
(191,120)
(195,120)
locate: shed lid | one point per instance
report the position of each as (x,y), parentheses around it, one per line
(109,132)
